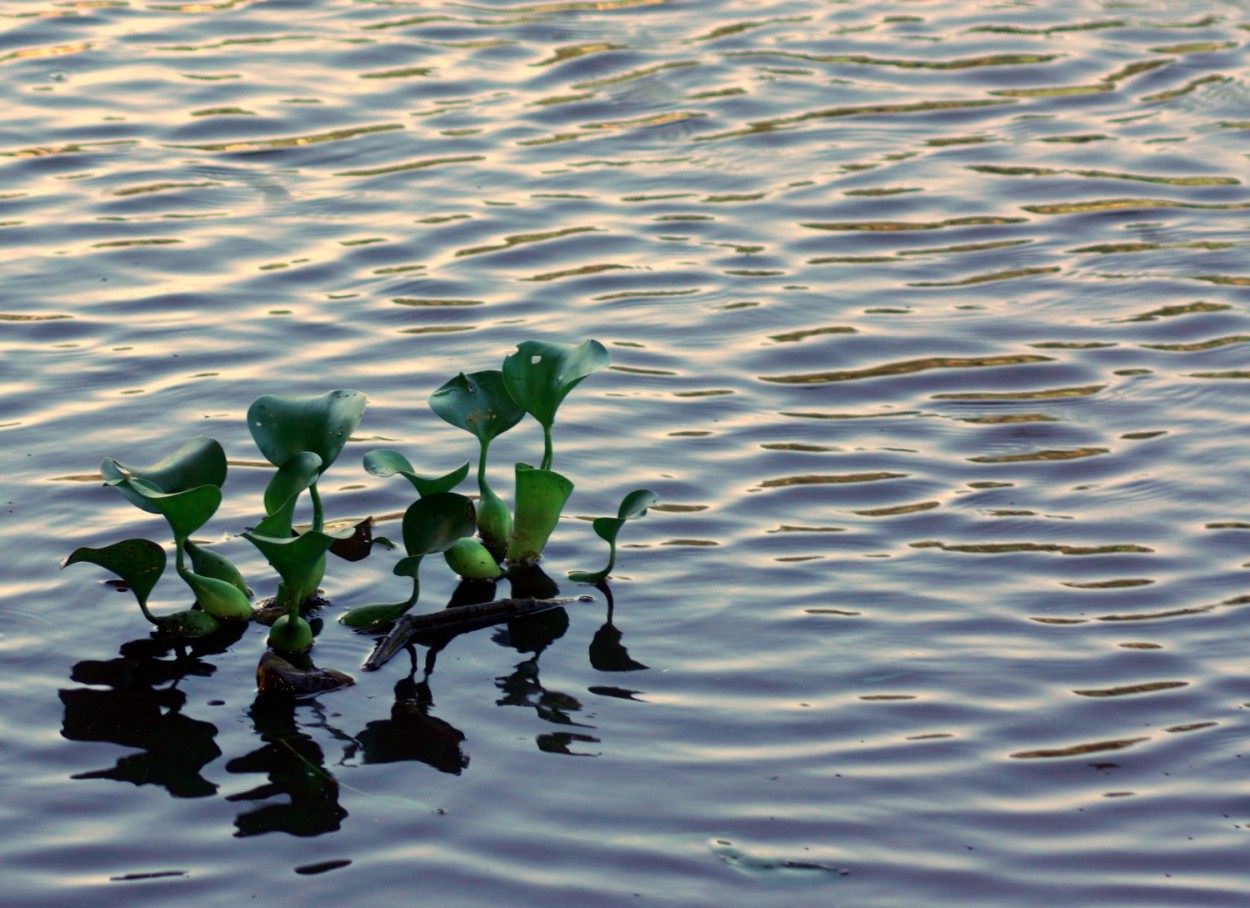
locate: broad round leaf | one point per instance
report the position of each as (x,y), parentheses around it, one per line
(138,562)
(478,403)
(539,375)
(286,426)
(434,523)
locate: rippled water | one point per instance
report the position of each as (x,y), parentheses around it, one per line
(928,322)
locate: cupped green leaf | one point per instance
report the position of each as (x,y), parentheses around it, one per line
(540,499)
(478,403)
(282,493)
(199,462)
(218,598)
(185,511)
(385,462)
(285,426)
(434,523)
(208,563)
(539,375)
(138,562)
(296,558)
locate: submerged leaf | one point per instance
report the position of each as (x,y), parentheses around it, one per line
(286,426)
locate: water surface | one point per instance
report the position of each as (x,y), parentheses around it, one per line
(928,323)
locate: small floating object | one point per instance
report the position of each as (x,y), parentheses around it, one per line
(457,620)
(275,675)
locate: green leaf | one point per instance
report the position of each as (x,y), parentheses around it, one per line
(478,403)
(208,563)
(539,375)
(199,462)
(540,499)
(138,562)
(283,491)
(633,506)
(296,558)
(286,426)
(186,511)
(434,523)
(385,462)
(218,598)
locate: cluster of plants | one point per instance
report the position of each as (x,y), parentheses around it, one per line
(302,437)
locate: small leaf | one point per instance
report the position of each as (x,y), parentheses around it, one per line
(539,375)
(478,403)
(635,504)
(385,462)
(434,523)
(285,426)
(220,599)
(292,478)
(138,562)
(295,558)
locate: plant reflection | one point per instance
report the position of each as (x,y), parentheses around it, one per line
(411,733)
(607,653)
(296,768)
(140,711)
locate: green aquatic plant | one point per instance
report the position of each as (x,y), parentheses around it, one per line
(185,489)
(480,404)
(540,375)
(633,506)
(139,563)
(431,524)
(385,462)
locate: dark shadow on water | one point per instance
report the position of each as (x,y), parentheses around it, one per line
(142,709)
(411,733)
(296,769)
(607,653)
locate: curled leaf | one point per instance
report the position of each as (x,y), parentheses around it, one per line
(384,462)
(285,426)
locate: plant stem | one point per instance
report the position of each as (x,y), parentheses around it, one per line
(179,560)
(318,523)
(546,465)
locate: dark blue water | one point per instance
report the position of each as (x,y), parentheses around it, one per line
(928,324)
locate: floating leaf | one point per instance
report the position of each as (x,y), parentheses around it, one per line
(218,598)
(286,426)
(385,462)
(138,562)
(208,563)
(478,403)
(540,499)
(539,375)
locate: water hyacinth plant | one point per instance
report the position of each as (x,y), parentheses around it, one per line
(302,437)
